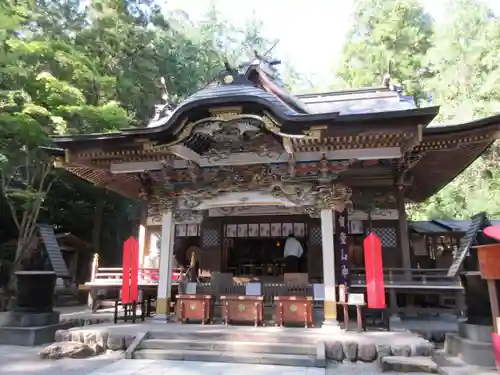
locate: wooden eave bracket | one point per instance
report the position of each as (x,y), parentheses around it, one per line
(413,141)
(316,132)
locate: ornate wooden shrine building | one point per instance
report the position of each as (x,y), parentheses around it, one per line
(240,164)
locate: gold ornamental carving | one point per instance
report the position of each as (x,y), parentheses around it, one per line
(225,113)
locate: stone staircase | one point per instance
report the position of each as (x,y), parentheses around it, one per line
(472,344)
(235,347)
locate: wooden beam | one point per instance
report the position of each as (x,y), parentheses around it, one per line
(185,153)
(413,141)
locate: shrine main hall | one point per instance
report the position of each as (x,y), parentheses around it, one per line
(234,169)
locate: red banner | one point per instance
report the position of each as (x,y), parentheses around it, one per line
(375,289)
(130,287)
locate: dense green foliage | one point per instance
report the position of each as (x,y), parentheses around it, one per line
(74,66)
(456,62)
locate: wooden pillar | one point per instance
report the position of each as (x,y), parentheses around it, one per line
(330,302)
(166,257)
(403,233)
(493,294)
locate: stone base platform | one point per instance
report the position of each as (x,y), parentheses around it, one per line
(472,344)
(269,345)
(29,329)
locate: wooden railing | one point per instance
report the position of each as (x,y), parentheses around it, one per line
(411,278)
(114,275)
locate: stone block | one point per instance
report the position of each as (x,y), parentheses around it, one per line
(89,338)
(401,350)
(383,350)
(320,354)
(115,342)
(76,335)
(367,352)
(20,319)
(334,351)
(350,350)
(29,336)
(102,338)
(408,364)
(423,350)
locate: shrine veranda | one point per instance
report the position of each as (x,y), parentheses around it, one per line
(228,173)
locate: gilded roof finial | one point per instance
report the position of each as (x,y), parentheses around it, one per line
(386,80)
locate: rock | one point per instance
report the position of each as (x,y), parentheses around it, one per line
(383,350)
(367,352)
(67,349)
(401,350)
(350,350)
(115,342)
(409,364)
(334,351)
(423,350)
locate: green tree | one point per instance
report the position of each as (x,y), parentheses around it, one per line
(465,62)
(383,33)
(75,66)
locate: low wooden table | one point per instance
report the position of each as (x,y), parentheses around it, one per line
(359,315)
(293,310)
(197,307)
(243,309)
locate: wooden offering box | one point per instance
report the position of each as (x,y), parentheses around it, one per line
(294,310)
(194,307)
(489,261)
(242,309)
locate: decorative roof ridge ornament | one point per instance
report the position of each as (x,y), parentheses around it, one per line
(387,81)
(166,107)
(265,62)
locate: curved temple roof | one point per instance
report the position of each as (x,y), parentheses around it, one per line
(312,124)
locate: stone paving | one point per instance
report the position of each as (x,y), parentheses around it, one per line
(16,360)
(20,360)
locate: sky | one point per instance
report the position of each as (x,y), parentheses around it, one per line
(311,33)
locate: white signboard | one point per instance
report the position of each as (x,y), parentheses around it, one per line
(253,289)
(319,292)
(356,299)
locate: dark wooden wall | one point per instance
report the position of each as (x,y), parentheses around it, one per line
(211,241)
